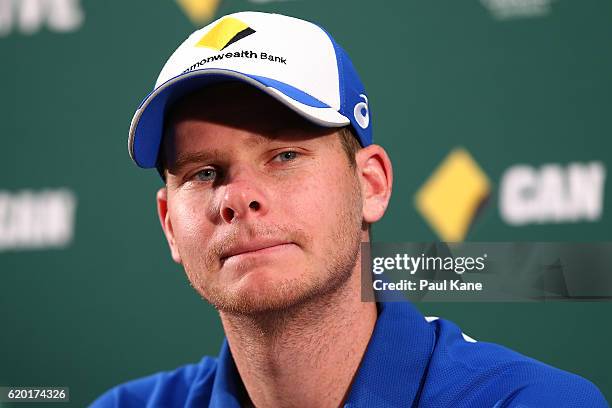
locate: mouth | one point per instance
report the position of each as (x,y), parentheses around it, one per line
(254,249)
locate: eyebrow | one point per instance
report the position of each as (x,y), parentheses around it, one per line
(184,159)
(216,155)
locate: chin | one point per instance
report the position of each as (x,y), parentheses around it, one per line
(256,288)
(261,292)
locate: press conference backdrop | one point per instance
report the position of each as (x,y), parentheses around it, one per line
(511,100)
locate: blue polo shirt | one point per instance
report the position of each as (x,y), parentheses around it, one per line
(410,361)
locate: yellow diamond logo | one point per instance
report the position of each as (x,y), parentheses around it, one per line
(451,197)
(226,32)
(199,11)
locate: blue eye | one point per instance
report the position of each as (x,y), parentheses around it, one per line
(206,174)
(287,156)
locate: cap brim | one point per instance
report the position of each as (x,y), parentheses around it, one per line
(146,129)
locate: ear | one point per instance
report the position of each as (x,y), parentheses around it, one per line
(166,222)
(376,176)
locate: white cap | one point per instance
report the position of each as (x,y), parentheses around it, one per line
(292,60)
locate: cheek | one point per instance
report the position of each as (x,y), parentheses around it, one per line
(190,221)
(304,200)
(301,196)
(321,203)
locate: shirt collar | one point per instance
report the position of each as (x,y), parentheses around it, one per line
(227,386)
(390,374)
(395,362)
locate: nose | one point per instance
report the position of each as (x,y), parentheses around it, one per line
(243,198)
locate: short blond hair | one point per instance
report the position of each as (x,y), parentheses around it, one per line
(349,143)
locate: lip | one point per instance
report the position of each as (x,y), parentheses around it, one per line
(254,248)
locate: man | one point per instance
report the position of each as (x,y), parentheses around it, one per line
(260,128)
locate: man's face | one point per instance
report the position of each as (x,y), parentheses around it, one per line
(263,209)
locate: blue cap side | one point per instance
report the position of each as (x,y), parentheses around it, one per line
(353,98)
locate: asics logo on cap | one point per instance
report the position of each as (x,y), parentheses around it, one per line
(363,119)
(226,32)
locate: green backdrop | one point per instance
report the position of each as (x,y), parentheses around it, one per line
(512,82)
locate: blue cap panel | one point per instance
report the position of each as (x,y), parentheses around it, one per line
(291,91)
(146,148)
(353,98)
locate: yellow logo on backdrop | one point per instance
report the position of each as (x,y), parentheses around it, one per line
(226,32)
(451,197)
(199,11)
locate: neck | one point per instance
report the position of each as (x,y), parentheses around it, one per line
(306,356)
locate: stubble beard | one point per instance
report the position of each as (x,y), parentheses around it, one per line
(289,295)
